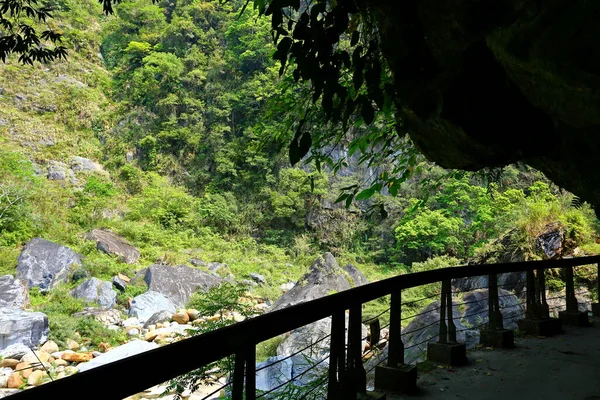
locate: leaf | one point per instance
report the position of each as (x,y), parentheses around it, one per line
(365,194)
(342,197)
(367,112)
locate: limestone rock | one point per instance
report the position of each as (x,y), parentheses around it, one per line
(127,350)
(323,277)
(96,290)
(8,392)
(27,328)
(45,264)
(49,347)
(149,303)
(104,315)
(13,292)
(133,332)
(158,317)
(113,244)
(178,283)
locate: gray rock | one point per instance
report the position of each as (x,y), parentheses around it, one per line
(113,244)
(258,278)
(81,164)
(18,326)
(216,267)
(69,80)
(45,264)
(96,290)
(129,156)
(198,263)
(127,350)
(178,283)
(80,274)
(286,286)
(15,351)
(511,281)
(119,283)
(160,316)
(273,372)
(106,316)
(57,173)
(13,292)
(358,279)
(146,305)
(248,282)
(323,278)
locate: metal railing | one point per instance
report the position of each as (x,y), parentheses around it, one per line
(345,366)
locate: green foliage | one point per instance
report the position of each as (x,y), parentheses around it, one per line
(57,301)
(221,300)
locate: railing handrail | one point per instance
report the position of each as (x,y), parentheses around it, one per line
(118,380)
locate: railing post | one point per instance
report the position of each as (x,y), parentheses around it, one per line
(596,305)
(537,319)
(357,376)
(494,335)
(337,355)
(396,376)
(443,338)
(447,350)
(244,375)
(572,315)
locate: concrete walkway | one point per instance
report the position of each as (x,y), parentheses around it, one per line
(560,367)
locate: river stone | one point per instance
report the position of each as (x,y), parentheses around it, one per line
(13,292)
(127,350)
(18,326)
(113,244)
(147,304)
(96,290)
(106,316)
(45,264)
(158,317)
(323,278)
(180,282)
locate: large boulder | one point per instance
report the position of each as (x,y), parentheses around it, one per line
(45,264)
(178,283)
(147,304)
(106,316)
(323,278)
(13,292)
(309,345)
(113,244)
(273,373)
(126,350)
(18,326)
(96,290)
(357,277)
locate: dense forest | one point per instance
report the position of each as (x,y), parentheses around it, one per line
(182,112)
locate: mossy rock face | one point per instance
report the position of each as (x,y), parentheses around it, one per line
(485,84)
